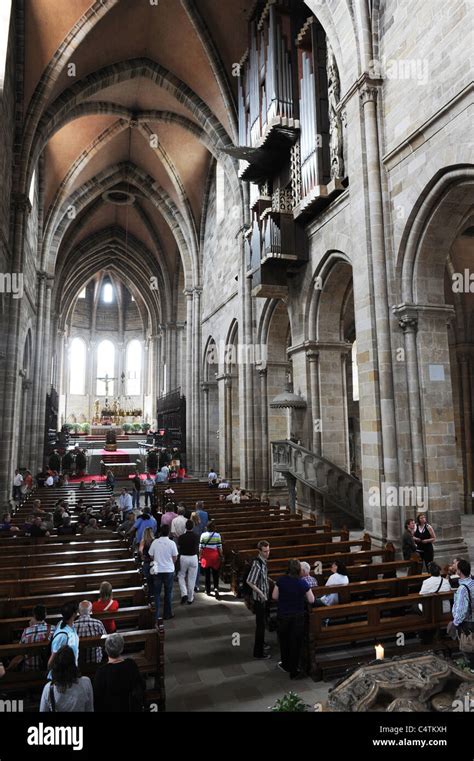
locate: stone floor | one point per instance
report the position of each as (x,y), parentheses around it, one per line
(209,663)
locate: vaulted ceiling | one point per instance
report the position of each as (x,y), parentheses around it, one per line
(133,96)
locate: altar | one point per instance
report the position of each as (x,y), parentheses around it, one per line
(101,430)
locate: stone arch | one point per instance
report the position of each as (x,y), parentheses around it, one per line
(113,74)
(439,351)
(140,182)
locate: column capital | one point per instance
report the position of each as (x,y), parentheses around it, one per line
(368,88)
(315,347)
(188,293)
(262,371)
(197,289)
(416,311)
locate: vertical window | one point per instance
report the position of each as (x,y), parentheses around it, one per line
(134,368)
(31,193)
(107,293)
(82,294)
(77,366)
(105,366)
(355,374)
(220,193)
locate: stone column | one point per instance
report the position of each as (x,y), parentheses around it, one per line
(313,360)
(374,207)
(180,326)
(465,376)
(196,385)
(35,454)
(228,426)
(409,324)
(205,425)
(333,402)
(188,382)
(263,373)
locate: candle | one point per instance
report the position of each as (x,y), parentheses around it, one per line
(379,652)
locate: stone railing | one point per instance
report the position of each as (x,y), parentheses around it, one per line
(333,483)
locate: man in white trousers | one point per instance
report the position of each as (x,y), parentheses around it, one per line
(188,548)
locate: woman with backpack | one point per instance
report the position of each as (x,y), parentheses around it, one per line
(67,691)
(65,634)
(210,557)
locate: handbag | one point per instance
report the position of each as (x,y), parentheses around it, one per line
(210,557)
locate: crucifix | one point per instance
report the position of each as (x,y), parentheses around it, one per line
(107,380)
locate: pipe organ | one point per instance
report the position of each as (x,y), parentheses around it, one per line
(290,136)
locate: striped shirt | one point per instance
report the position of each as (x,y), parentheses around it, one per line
(462,610)
(210,539)
(258,575)
(40,632)
(90,627)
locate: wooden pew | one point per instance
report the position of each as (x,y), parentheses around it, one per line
(23,605)
(352,560)
(315,547)
(65,556)
(371,622)
(146,647)
(58,544)
(72,567)
(131,618)
(72,583)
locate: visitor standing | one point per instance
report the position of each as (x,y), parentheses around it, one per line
(163,553)
(291,592)
(426,538)
(257,580)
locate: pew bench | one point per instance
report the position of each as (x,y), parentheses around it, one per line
(370,622)
(146,647)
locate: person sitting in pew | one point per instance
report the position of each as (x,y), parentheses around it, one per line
(92,528)
(106,604)
(82,486)
(338,578)
(68,691)
(7,527)
(36,631)
(38,529)
(306,575)
(28,524)
(67,529)
(86,626)
(436,583)
(118,685)
(37,509)
(127,524)
(47,522)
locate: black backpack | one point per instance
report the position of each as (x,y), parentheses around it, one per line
(245,592)
(49,650)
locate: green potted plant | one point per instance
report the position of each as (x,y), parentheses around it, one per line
(85,428)
(290,703)
(146,427)
(136,427)
(68,427)
(126,428)
(77,427)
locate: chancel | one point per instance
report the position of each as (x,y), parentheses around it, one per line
(237,381)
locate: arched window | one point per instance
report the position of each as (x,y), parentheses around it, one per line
(77,366)
(31,193)
(134,367)
(107,293)
(105,366)
(355,374)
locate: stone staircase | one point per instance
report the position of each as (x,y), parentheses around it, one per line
(341,492)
